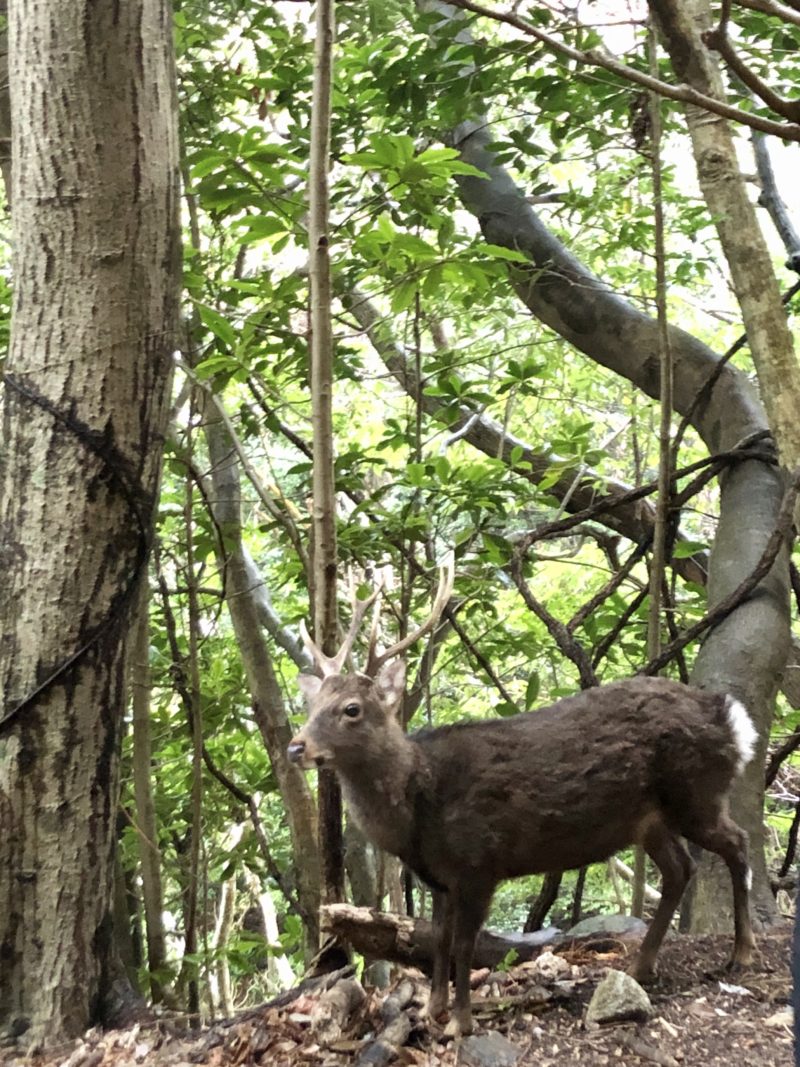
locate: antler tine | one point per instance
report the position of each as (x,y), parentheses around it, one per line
(325,664)
(446,579)
(360,609)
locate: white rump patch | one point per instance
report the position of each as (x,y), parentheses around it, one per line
(748,880)
(744,733)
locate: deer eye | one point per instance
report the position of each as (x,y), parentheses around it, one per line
(352,711)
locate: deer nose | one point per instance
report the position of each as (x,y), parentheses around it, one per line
(296,750)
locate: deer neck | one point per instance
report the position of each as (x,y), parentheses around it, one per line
(377,789)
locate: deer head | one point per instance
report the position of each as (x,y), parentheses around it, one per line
(350,713)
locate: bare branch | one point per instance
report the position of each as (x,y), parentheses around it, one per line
(568,644)
(718,41)
(771,199)
(779,537)
(270,506)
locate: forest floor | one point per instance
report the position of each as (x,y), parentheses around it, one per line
(701,1017)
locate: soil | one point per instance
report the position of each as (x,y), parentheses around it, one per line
(702,1017)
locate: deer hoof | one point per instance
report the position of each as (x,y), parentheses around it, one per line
(458,1027)
(435,1008)
(642,973)
(739,965)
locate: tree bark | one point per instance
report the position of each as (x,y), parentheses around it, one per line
(96,277)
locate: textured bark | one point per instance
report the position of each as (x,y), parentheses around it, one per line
(96,275)
(268,705)
(746,655)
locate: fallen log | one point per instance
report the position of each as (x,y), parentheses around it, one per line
(380,935)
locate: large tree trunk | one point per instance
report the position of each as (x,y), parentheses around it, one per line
(96,276)
(747,654)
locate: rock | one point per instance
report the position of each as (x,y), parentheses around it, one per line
(488,1050)
(618,998)
(610,926)
(550,967)
(784,1017)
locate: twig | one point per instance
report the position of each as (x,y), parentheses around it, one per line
(270,506)
(647,1052)
(602,647)
(779,536)
(791,844)
(782,752)
(771,199)
(742,451)
(718,40)
(568,644)
(610,587)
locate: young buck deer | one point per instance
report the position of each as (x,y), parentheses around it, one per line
(646,761)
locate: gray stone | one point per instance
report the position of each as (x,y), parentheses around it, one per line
(618,998)
(616,925)
(488,1050)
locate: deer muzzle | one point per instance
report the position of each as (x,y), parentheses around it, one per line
(306,755)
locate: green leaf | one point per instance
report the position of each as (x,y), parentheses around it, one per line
(403,295)
(217,324)
(532,690)
(509,254)
(685,549)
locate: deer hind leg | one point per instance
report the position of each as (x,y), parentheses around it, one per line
(443,915)
(671,857)
(719,833)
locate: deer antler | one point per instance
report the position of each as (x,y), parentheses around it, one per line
(376,659)
(328,665)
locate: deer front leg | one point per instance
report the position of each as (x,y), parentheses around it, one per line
(470,910)
(443,940)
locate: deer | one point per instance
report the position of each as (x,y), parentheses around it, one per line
(646,761)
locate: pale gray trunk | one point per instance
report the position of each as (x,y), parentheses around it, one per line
(96,276)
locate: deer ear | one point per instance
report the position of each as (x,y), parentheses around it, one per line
(310,685)
(391,684)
